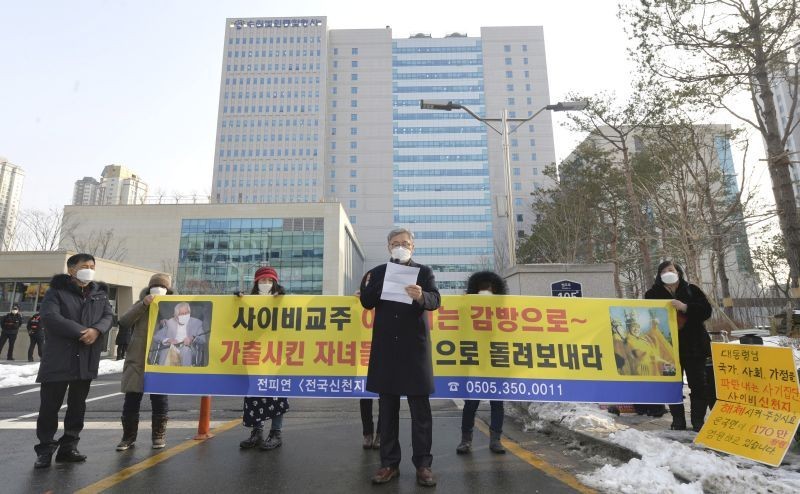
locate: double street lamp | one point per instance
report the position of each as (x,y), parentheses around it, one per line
(504,131)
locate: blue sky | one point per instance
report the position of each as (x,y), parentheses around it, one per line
(90,83)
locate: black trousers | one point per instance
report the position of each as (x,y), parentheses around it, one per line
(695,369)
(10,338)
(37,340)
(52,397)
(133,403)
(367,425)
(421,430)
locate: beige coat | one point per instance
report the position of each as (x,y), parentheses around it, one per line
(136,318)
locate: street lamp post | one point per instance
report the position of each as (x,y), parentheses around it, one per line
(504,131)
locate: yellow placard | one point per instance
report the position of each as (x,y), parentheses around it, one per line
(759,434)
(756,375)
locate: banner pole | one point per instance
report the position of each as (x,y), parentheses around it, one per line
(204,422)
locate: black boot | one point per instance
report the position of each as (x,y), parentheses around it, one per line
(68,451)
(255,440)
(465,446)
(495,445)
(159,431)
(130,429)
(273,440)
(44,455)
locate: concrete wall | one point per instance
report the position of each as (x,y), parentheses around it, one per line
(597,280)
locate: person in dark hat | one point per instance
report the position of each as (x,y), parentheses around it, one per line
(135,321)
(77,313)
(9,327)
(259,409)
(483,283)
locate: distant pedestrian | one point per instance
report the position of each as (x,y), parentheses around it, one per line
(9,328)
(259,409)
(76,313)
(36,335)
(483,283)
(136,322)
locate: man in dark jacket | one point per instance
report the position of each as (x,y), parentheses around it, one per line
(400,360)
(76,313)
(10,328)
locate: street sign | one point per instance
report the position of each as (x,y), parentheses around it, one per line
(566,288)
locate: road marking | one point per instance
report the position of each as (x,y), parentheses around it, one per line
(33,390)
(36,414)
(540,464)
(10,424)
(129,472)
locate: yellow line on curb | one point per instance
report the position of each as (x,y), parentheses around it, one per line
(540,464)
(132,470)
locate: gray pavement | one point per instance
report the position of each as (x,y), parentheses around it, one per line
(321,452)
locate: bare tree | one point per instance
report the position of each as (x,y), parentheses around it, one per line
(40,230)
(715,49)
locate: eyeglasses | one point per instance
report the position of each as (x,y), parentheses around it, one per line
(407,245)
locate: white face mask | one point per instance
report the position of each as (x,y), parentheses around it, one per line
(401,254)
(264,288)
(14,311)
(158,290)
(485,292)
(669,277)
(183,319)
(85,275)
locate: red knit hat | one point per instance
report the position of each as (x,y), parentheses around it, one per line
(266,272)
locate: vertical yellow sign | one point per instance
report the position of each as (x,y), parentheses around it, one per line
(758,402)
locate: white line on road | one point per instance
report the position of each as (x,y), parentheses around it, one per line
(33,390)
(143,425)
(35,414)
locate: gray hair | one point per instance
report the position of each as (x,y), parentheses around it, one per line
(399,231)
(182,305)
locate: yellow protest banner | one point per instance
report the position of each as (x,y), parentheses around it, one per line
(758,405)
(488,347)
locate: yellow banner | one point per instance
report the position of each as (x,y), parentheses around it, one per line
(504,347)
(758,406)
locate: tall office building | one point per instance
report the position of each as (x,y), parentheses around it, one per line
(85,192)
(307,114)
(11,179)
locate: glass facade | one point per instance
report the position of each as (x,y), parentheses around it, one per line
(221,255)
(440,163)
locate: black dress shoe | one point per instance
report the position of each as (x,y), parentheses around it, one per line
(43,460)
(70,455)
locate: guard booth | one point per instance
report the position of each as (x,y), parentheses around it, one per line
(562,280)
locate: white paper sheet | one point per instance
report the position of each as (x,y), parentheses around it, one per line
(397,278)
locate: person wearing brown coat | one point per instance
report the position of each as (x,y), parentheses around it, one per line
(135,321)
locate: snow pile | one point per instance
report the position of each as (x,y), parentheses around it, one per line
(25,375)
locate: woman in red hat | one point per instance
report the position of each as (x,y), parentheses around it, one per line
(259,409)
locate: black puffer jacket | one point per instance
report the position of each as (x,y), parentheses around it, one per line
(66,310)
(693,339)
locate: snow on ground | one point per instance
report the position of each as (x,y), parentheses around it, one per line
(25,375)
(665,459)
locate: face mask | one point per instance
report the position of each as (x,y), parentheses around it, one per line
(401,254)
(14,311)
(183,319)
(669,277)
(158,290)
(485,292)
(264,288)
(85,275)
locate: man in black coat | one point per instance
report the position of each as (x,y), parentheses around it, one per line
(76,312)
(9,327)
(400,360)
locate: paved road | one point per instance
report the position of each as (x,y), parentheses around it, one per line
(321,452)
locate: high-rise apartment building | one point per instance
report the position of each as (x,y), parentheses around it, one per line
(307,114)
(85,192)
(119,185)
(784,95)
(11,179)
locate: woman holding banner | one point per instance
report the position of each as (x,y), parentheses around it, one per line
(258,409)
(693,341)
(135,321)
(483,283)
